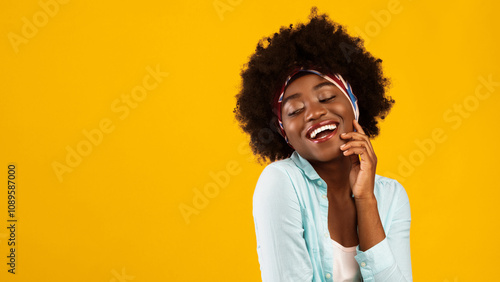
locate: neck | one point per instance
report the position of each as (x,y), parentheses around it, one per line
(336,175)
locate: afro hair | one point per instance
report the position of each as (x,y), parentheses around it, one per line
(320,44)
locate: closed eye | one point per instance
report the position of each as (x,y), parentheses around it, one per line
(296,112)
(327,99)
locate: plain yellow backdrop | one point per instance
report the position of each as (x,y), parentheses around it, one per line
(130,166)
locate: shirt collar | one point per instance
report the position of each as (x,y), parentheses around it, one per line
(305,166)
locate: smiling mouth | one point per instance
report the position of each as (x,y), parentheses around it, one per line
(322,131)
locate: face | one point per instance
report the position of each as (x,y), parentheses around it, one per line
(314,113)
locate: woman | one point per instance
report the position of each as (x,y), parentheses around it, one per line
(310,100)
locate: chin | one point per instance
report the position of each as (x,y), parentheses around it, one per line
(321,156)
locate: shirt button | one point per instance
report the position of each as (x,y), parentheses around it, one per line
(363,264)
(324,196)
(328,275)
(326,234)
(319,182)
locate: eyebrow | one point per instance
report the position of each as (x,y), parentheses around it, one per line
(315,88)
(294,96)
(322,84)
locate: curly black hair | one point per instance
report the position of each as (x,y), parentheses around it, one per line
(320,44)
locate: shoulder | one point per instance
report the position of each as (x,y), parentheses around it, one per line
(389,192)
(275,198)
(278,182)
(283,171)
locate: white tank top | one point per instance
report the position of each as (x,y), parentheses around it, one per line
(345,266)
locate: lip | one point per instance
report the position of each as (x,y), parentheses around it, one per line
(318,125)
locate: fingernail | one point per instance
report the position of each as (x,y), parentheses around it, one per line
(343,133)
(342,146)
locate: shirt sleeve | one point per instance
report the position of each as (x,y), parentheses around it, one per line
(281,247)
(390,259)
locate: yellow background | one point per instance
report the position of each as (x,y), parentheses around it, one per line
(117,215)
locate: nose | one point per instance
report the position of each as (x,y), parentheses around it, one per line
(315,111)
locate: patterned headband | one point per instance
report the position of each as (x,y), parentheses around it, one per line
(336,79)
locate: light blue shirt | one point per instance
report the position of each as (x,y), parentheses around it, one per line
(290,210)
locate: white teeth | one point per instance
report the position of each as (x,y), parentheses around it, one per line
(323,128)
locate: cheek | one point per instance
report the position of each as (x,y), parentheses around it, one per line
(292,131)
(291,128)
(345,110)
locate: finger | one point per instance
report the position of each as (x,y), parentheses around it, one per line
(359,144)
(354,143)
(362,152)
(357,136)
(358,127)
